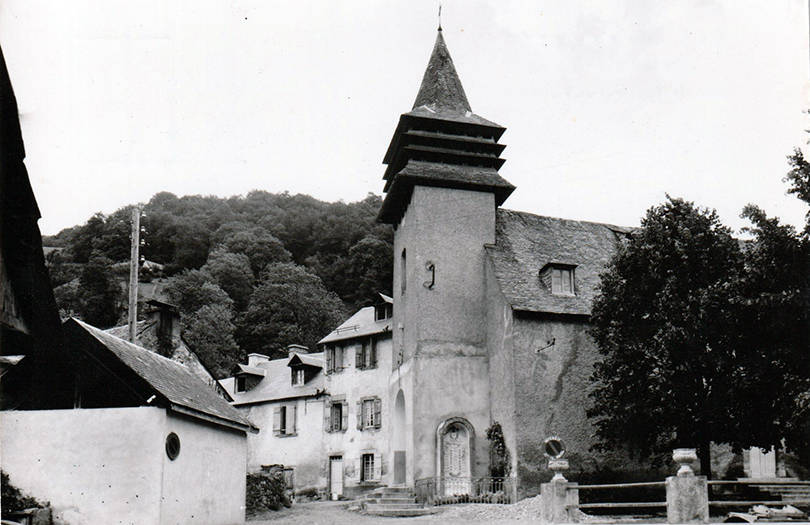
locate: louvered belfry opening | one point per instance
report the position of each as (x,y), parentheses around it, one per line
(441,142)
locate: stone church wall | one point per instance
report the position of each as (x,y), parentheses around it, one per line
(501,363)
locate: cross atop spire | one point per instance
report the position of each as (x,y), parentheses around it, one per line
(441,88)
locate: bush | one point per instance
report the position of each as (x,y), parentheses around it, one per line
(266,491)
(12,499)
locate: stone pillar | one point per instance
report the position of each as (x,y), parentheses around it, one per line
(556,497)
(687,494)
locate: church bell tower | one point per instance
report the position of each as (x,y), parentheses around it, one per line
(442,189)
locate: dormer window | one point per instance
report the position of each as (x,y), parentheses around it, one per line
(383,311)
(241,383)
(559,278)
(298,377)
(562,281)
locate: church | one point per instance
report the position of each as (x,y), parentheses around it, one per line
(488,325)
(491,306)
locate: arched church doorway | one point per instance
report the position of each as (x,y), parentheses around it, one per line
(454,452)
(399,439)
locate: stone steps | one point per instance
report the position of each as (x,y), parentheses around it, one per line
(392,502)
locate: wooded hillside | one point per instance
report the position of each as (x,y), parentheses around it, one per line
(250,273)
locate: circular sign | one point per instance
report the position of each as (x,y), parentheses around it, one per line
(172,446)
(554,447)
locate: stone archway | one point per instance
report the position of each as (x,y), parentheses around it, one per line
(454,453)
(399,439)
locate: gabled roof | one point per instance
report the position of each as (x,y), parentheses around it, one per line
(305,359)
(526,243)
(251,370)
(277,383)
(172,381)
(361,324)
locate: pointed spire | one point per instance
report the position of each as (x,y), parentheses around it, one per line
(441,88)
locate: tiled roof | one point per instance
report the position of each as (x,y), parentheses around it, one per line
(276,383)
(360,324)
(172,380)
(525,243)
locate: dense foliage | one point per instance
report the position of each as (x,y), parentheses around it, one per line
(266,491)
(249,274)
(13,500)
(704,338)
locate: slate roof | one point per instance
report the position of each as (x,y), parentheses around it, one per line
(277,382)
(423,172)
(441,94)
(360,324)
(305,359)
(173,381)
(525,243)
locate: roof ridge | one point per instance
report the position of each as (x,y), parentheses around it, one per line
(605,224)
(93,330)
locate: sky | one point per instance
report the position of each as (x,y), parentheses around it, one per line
(608,105)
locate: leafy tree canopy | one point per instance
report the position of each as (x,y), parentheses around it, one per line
(289,305)
(663,325)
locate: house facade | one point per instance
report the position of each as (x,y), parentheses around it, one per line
(358,412)
(286,399)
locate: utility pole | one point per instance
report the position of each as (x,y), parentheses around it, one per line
(133,271)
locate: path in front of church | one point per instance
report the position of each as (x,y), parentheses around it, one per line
(525,512)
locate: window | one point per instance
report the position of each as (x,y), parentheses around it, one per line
(366,354)
(369,413)
(335,416)
(298,376)
(367,472)
(334,359)
(240,383)
(284,420)
(403,272)
(562,281)
(559,278)
(383,312)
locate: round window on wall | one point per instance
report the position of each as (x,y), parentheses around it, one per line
(172,446)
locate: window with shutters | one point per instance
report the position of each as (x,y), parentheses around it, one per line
(334,359)
(366,354)
(369,413)
(336,416)
(367,471)
(284,420)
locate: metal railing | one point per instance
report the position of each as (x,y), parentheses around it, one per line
(448,490)
(615,504)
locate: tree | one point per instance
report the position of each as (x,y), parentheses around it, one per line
(99,294)
(799,180)
(774,326)
(232,272)
(664,326)
(193,289)
(259,246)
(210,333)
(289,305)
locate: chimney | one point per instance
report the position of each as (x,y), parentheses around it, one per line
(296,349)
(255,359)
(167,318)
